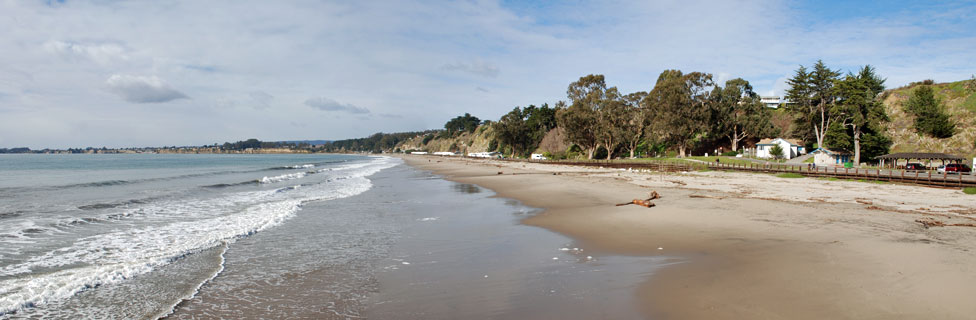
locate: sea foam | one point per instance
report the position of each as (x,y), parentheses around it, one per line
(179,227)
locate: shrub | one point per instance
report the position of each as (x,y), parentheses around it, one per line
(776,151)
(730,153)
(969,190)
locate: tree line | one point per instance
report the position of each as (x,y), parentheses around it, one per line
(683,111)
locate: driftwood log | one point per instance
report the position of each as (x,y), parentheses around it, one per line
(643,202)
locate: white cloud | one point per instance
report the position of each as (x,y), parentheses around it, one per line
(327,104)
(477,67)
(140,89)
(101,53)
(427,61)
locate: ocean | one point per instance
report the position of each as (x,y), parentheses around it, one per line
(131,236)
(284,236)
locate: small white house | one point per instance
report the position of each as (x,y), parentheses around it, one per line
(824,157)
(771,102)
(538,156)
(791,148)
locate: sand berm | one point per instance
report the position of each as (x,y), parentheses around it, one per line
(756,246)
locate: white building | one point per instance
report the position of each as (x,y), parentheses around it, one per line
(538,156)
(824,157)
(485,155)
(445,153)
(791,148)
(772,102)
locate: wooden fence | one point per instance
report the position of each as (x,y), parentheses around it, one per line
(928,178)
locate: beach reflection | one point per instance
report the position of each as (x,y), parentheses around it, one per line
(466,188)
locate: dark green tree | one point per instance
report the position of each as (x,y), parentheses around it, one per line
(512,131)
(539,120)
(682,103)
(858,106)
(811,96)
(465,123)
(930,119)
(636,121)
(739,114)
(838,139)
(581,120)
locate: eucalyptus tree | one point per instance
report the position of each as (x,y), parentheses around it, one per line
(739,114)
(681,101)
(636,121)
(581,119)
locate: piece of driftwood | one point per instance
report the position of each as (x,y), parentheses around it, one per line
(499,172)
(643,202)
(928,223)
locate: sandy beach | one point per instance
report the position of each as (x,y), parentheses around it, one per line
(755,246)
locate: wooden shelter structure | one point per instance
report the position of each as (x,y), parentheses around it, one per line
(893,159)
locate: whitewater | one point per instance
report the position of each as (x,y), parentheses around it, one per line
(79,234)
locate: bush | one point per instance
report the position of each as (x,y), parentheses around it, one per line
(427,138)
(548,155)
(730,153)
(969,190)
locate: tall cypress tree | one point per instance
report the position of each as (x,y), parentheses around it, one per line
(930,119)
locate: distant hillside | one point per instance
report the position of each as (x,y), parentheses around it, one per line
(309,142)
(960,101)
(481,140)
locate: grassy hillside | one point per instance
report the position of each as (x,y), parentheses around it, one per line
(960,102)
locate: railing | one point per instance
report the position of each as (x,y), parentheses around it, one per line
(903,176)
(928,178)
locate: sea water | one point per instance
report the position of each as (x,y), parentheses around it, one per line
(284,237)
(133,235)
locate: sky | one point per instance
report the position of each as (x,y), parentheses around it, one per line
(171,72)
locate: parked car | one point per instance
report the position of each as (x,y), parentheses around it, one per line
(957,168)
(915,167)
(940,169)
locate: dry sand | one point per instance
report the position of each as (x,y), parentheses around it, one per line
(757,246)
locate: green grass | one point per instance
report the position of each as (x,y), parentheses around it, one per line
(969,190)
(722,159)
(790,175)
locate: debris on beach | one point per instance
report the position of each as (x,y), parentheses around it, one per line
(644,202)
(705,196)
(499,172)
(929,222)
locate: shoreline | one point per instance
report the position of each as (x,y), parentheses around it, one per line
(814,252)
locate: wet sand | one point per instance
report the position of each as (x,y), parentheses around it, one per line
(755,246)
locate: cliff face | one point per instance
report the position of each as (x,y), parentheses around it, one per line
(960,102)
(477,141)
